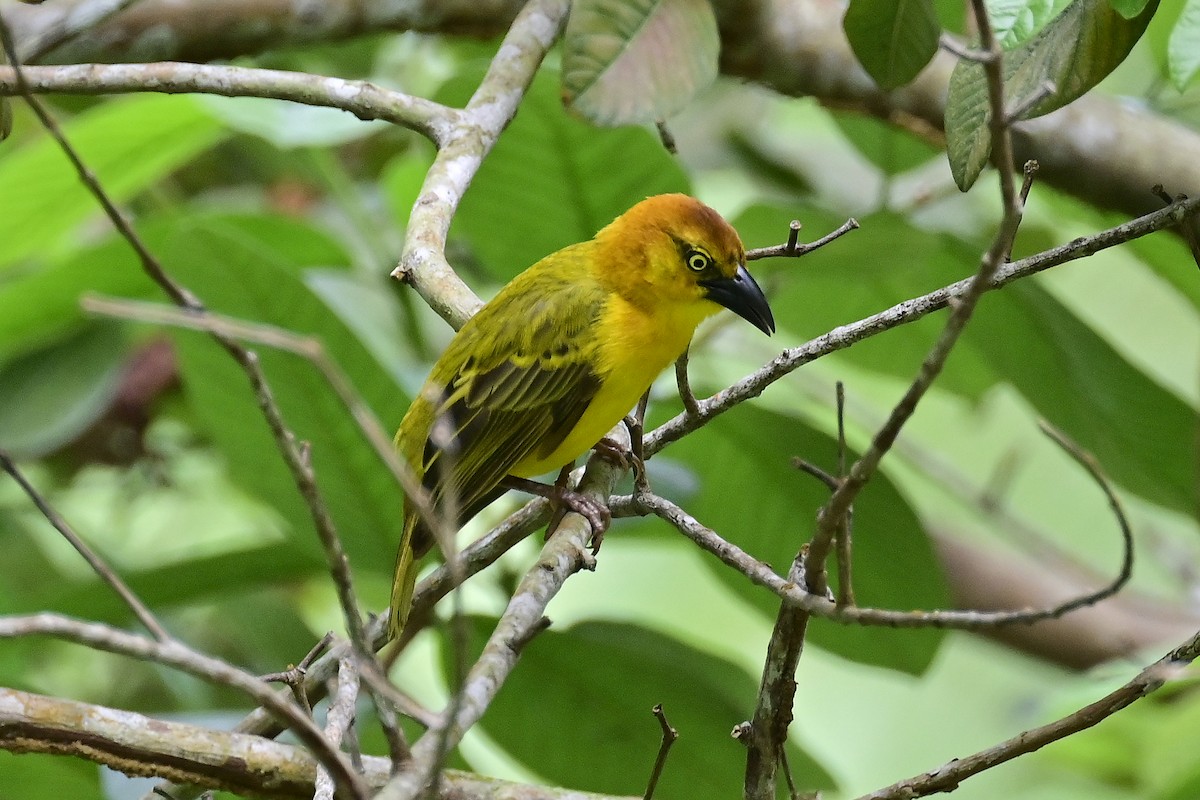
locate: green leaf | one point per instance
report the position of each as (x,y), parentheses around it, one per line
(129,144)
(1183,46)
(48,398)
(42,776)
(238,274)
(1014,21)
(750,494)
(893,40)
(628,61)
(1129,8)
(550,182)
(618,673)
(194,580)
(41,307)
(1077,50)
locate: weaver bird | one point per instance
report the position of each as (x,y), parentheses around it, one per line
(541,373)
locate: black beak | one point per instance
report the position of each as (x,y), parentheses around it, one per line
(741,295)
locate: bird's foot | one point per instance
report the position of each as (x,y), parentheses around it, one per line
(565,500)
(625,458)
(596,513)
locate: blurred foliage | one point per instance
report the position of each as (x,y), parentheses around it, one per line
(291,217)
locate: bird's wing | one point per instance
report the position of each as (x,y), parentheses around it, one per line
(519,393)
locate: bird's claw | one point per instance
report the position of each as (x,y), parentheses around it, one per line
(624,458)
(595,512)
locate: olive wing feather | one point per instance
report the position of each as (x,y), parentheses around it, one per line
(519,392)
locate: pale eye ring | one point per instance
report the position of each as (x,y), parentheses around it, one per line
(697,261)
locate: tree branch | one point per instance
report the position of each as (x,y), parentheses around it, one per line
(364,100)
(177,655)
(233,762)
(947,777)
(423,262)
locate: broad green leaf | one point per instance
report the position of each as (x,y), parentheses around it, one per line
(893,40)
(751,495)
(551,181)
(129,144)
(47,398)
(618,673)
(237,274)
(1129,8)
(1074,52)
(41,307)
(1183,47)
(1014,21)
(42,776)
(628,61)
(190,581)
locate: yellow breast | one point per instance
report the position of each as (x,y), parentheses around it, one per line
(637,344)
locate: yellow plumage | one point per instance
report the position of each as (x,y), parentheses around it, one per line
(561,354)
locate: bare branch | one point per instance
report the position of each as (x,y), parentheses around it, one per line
(669,735)
(338,721)
(794,589)
(235,762)
(790,248)
(949,776)
(364,100)
(423,262)
(175,654)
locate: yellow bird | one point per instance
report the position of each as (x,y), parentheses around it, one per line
(561,355)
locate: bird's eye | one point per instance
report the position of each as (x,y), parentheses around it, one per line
(697,261)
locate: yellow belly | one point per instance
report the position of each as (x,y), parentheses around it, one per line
(638,347)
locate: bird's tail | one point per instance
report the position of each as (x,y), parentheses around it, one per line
(403,580)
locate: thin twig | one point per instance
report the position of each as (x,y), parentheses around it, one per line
(686,394)
(791,249)
(339,720)
(293,678)
(795,593)
(947,777)
(669,735)
(843,537)
(307,347)
(98,564)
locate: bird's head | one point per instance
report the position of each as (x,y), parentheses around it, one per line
(672,247)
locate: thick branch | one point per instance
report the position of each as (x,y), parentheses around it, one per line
(177,655)
(423,261)
(362,99)
(233,762)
